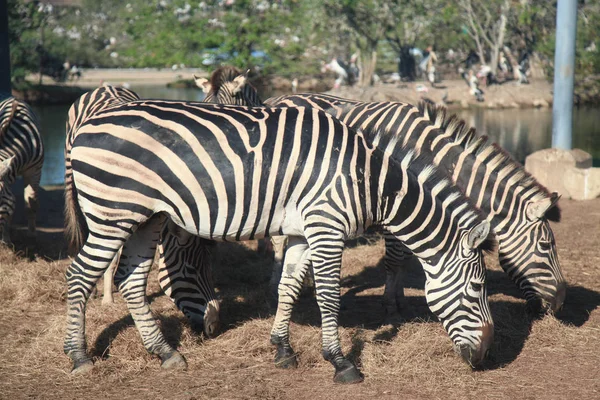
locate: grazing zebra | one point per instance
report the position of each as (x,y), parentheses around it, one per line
(517,207)
(183,260)
(21,153)
(235,173)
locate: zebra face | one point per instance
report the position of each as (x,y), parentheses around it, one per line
(529,256)
(532,262)
(185,276)
(456,293)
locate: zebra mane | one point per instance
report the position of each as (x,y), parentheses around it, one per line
(423,162)
(223,75)
(458,132)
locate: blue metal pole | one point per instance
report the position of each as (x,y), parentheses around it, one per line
(4,52)
(564,72)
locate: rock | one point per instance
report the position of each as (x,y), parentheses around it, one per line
(540,103)
(568,172)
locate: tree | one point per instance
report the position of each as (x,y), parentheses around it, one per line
(486,24)
(366,18)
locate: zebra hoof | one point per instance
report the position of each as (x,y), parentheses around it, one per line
(173,360)
(82,367)
(350,374)
(286,358)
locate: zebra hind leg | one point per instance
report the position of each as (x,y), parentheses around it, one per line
(290,285)
(131,278)
(82,275)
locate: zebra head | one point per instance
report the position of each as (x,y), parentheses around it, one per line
(184,274)
(229,85)
(7,198)
(456,292)
(528,254)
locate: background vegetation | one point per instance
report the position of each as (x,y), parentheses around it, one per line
(287,37)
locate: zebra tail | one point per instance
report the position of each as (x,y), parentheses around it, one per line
(76,230)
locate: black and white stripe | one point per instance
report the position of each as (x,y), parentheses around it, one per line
(234,173)
(517,207)
(21,153)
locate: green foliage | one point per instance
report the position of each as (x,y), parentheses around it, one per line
(290,37)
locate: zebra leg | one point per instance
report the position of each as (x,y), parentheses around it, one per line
(280,243)
(30,194)
(290,285)
(397,257)
(83,273)
(326,255)
(131,278)
(109,277)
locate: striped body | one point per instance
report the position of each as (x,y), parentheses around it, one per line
(21,153)
(231,173)
(516,206)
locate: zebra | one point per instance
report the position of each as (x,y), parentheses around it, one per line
(21,153)
(183,260)
(518,208)
(230,173)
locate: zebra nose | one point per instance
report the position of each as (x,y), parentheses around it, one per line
(559,299)
(474,357)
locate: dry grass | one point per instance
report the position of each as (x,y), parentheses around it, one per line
(551,357)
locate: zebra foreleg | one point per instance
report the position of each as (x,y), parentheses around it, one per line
(326,256)
(131,278)
(290,285)
(82,275)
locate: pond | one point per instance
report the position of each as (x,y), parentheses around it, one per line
(520,132)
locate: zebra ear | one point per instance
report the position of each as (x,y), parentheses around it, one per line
(203,84)
(536,209)
(478,234)
(6,167)
(239,82)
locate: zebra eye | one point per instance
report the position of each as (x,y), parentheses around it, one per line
(476,286)
(545,245)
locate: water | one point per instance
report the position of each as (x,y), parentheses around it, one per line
(520,132)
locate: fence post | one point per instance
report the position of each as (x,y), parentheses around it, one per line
(564,72)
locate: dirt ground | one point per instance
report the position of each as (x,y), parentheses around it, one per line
(554,357)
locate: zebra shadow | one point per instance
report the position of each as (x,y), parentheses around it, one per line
(513,318)
(172,328)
